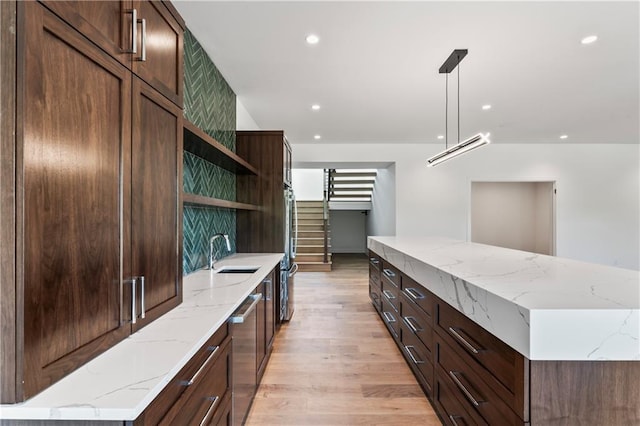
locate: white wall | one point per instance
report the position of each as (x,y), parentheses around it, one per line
(381,220)
(348,231)
(244,121)
(597,203)
(308,184)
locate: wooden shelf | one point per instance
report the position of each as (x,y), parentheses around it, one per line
(201,200)
(201,144)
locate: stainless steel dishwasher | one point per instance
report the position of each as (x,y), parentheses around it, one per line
(244,364)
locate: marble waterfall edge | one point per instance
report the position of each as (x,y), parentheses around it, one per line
(546,308)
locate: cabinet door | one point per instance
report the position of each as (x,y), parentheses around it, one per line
(157,137)
(287,159)
(76,108)
(270,310)
(159,61)
(109,24)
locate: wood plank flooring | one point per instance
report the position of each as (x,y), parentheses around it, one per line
(335,363)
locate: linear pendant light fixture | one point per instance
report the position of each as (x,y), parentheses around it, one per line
(473,142)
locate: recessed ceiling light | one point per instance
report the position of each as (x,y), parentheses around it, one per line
(486,107)
(315,107)
(564,136)
(316,137)
(312,39)
(589,39)
(440,136)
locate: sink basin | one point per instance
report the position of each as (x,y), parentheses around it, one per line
(237,270)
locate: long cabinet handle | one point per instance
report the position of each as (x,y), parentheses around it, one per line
(415,294)
(389,273)
(374,260)
(134,314)
(193,378)
(268,285)
(388,294)
(464,341)
(240,317)
(134,31)
(143,48)
(475,401)
(214,400)
(389,317)
(410,322)
(413,358)
(142,309)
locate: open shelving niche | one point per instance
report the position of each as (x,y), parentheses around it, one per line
(197,142)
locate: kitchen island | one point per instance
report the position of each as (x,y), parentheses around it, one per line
(120,383)
(570,330)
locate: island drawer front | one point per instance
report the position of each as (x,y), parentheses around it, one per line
(451,410)
(419,295)
(222,415)
(375,262)
(471,390)
(418,322)
(200,402)
(374,295)
(172,392)
(391,294)
(390,274)
(486,349)
(418,356)
(390,318)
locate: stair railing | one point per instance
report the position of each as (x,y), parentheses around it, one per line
(325,214)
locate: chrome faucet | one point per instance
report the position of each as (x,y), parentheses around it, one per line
(212,256)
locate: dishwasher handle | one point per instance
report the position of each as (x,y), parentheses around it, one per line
(241,314)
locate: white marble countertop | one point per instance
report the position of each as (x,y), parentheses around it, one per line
(120,383)
(545,307)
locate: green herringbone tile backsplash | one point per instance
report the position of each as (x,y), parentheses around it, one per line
(210,104)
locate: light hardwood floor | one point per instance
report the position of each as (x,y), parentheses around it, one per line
(335,363)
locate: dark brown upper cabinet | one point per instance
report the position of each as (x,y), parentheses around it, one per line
(98,156)
(145,36)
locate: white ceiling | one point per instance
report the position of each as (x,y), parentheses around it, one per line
(375,70)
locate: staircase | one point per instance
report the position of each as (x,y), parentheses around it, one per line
(311,234)
(350,189)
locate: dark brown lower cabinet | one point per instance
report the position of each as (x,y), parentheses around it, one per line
(266,312)
(201,392)
(473,378)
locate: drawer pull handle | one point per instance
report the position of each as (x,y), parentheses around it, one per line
(470,397)
(214,400)
(410,322)
(464,341)
(191,381)
(389,317)
(388,294)
(413,358)
(389,273)
(374,260)
(415,294)
(455,422)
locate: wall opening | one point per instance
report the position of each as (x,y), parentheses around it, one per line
(517,215)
